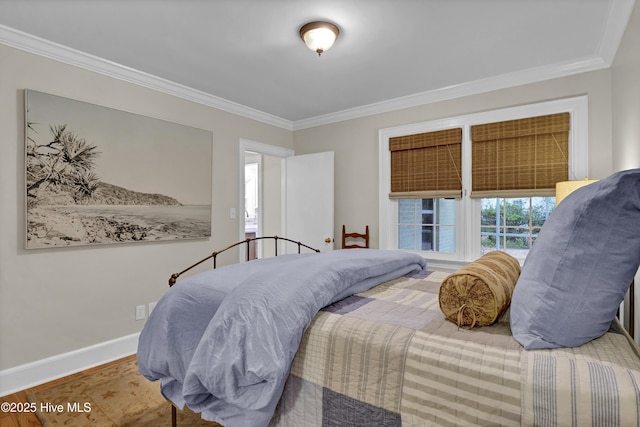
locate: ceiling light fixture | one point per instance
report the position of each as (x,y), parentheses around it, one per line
(319,36)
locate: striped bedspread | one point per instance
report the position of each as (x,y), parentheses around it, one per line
(388,357)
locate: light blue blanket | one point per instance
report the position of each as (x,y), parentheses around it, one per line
(222,342)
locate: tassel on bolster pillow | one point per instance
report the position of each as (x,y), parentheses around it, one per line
(478,293)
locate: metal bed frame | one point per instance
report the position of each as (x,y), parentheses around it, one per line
(214,256)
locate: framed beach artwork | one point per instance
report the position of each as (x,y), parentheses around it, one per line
(97,175)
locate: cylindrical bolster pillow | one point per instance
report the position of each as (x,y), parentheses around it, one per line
(478,293)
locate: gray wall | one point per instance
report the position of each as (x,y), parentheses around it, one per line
(57,300)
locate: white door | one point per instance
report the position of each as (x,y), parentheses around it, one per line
(308,200)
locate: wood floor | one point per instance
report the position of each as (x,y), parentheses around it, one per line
(17,419)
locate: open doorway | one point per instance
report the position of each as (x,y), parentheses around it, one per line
(295,198)
(261,195)
(252,200)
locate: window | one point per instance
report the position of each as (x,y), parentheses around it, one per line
(425,172)
(506,216)
(513,224)
(427,225)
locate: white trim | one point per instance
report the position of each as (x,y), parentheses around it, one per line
(48,49)
(467,243)
(617,19)
(42,371)
(266,149)
(504,81)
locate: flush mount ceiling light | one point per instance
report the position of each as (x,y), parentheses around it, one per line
(319,36)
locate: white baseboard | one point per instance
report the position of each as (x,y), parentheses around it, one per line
(41,371)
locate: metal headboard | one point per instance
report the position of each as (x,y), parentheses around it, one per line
(214,255)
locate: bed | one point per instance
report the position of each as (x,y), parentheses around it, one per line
(364,340)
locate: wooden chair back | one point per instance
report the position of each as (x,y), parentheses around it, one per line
(364,239)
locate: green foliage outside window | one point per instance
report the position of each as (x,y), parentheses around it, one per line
(513,223)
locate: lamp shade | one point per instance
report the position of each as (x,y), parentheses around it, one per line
(564,188)
(319,36)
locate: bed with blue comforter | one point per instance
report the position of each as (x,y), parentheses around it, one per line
(357,338)
(222,342)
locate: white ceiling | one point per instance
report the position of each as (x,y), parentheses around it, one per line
(245,56)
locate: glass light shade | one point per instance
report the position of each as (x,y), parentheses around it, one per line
(564,188)
(319,36)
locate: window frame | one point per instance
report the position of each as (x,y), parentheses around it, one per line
(468,210)
(435,225)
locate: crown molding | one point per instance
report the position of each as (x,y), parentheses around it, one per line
(504,81)
(45,48)
(616,23)
(618,16)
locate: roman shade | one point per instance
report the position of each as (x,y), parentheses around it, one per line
(520,158)
(426,165)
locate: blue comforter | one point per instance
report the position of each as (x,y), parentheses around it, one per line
(222,342)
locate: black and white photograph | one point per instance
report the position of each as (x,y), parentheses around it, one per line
(97,175)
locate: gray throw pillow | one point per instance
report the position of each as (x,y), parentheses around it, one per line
(580,266)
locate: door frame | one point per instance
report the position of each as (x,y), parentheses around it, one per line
(263,149)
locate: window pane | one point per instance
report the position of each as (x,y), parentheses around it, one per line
(427,217)
(427,238)
(406,211)
(426,224)
(542,208)
(512,225)
(407,237)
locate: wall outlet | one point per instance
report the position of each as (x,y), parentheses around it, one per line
(140,312)
(152,305)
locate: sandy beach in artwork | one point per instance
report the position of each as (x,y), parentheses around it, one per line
(47,227)
(75,225)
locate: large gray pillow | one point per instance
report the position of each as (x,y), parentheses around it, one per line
(580,266)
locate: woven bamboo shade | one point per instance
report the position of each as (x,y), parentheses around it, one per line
(517,158)
(426,165)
